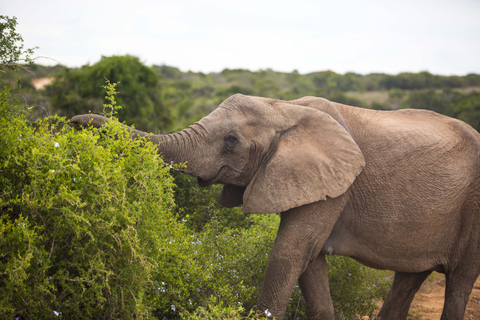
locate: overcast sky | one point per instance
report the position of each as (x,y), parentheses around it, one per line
(439,36)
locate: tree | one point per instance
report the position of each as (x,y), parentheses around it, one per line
(12,50)
(79,91)
(430,100)
(468,109)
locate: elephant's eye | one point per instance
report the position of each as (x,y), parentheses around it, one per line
(230,141)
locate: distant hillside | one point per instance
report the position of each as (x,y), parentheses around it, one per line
(191,95)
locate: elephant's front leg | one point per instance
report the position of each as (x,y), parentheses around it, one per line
(301,236)
(316,291)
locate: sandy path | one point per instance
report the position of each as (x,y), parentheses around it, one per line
(428,302)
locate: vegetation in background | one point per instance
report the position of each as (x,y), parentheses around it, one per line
(79,91)
(181,98)
(196,94)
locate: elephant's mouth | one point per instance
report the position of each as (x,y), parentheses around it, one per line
(209,182)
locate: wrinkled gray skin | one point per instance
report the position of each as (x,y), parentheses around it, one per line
(397,190)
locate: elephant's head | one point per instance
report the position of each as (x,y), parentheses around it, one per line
(270,155)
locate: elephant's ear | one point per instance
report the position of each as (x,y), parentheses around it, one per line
(315,158)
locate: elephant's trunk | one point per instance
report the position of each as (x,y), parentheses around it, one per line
(181,147)
(176,148)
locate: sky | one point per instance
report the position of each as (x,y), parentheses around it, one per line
(363,36)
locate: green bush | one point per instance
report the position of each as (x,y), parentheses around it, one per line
(355,288)
(214,270)
(199,206)
(82,214)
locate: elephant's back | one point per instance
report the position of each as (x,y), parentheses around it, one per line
(419,150)
(415,132)
(453,140)
(417,154)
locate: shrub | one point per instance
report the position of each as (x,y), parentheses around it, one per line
(217,270)
(355,288)
(81,216)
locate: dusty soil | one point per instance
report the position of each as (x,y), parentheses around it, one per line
(428,302)
(40,83)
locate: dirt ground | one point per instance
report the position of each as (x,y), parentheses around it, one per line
(428,302)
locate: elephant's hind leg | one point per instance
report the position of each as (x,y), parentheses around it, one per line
(458,287)
(314,285)
(464,269)
(401,294)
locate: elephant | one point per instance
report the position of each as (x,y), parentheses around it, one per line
(396,190)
